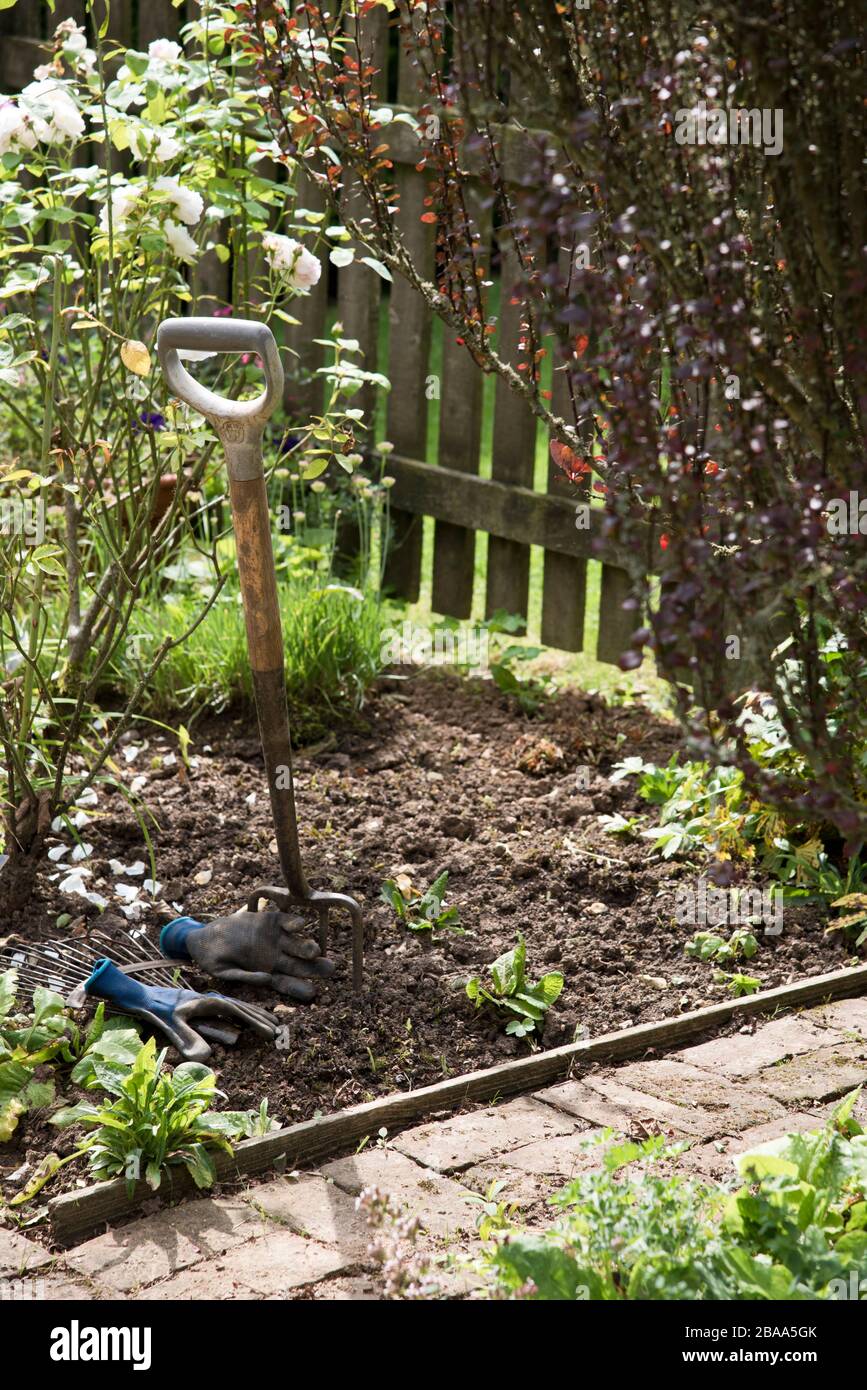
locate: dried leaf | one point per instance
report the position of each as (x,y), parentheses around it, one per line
(135,357)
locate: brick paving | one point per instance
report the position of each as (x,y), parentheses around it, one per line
(301,1237)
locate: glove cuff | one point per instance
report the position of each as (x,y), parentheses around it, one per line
(114,986)
(103,975)
(173,938)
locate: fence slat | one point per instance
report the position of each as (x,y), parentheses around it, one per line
(210,280)
(564,584)
(158,19)
(616,624)
(26,19)
(460,437)
(409,359)
(514,450)
(120,23)
(358,293)
(305,396)
(20,32)
(408,352)
(502,509)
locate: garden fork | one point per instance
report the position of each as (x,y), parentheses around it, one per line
(239,425)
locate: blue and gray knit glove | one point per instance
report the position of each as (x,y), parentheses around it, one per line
(251,948)
(175,1011)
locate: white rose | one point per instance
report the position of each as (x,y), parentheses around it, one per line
(123,201)
(52,110)
(292,260)
(89,173)
(76,41)
(167,147)
(164,51)
(188,204)
(180,240)
(155,144)
(15,133)
(123,95)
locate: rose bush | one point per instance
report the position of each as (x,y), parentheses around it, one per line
(126,177)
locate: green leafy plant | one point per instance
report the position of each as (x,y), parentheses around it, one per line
(709,809)
(738,984)
(106,1040)
(492,1213)
(706,945)
(793,1227)
(807,871)
(158,1119)
(657,784)
(627,826)
(529,691)
(419,911)
(23,1052)
(36,1039)
(511,995)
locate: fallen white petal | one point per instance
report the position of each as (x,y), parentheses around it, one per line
(131,870)
(74,882)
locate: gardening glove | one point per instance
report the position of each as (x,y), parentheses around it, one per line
(250,948)
(175,1011)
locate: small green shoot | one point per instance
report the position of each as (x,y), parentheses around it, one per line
(421,912)
(509,992)
(707,945)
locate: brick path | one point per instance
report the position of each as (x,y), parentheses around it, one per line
(301,1237)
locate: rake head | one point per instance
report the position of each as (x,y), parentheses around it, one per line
(64,965)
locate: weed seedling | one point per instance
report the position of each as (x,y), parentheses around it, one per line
(419,911)
(737,984)
(707,945)
(491,1214)
(510,994)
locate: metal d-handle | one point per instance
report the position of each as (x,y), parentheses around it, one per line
(238,423)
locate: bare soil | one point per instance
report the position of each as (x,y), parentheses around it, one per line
(444,774)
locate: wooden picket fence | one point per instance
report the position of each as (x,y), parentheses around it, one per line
(506,506)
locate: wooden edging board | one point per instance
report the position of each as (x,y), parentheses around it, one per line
(74,1215)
